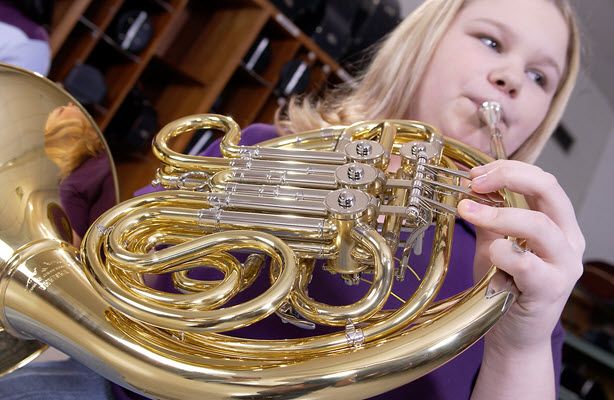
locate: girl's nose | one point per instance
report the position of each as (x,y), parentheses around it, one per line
(507,79)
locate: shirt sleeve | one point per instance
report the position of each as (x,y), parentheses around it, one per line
(19,50)
(557,341)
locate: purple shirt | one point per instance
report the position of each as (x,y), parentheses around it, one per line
(87,192)
(453,380)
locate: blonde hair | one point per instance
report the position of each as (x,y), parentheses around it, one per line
(69,141)
(388,87)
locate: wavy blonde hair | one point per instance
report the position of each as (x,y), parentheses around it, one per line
(387,88)
(69,141)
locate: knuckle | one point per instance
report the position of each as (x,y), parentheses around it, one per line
(496,249)
(560,290)
(493,213)
(544,223)
(551,181)
(505,175)
(581,243)
(498,163)
(523,266)
(493,249)
(538,169)
(577,271)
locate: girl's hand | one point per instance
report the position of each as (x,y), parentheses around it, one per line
(545,275)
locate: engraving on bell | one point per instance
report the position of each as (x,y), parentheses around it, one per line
(346,199)
(363,148)
(355,172)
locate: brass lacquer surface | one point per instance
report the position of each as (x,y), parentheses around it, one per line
(30,207)
(321,199)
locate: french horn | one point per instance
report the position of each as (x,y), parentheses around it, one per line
(319,199)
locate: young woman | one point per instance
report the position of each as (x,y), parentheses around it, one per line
(86,181)
(438,66)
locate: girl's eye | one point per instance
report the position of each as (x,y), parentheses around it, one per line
(490,42)
(537,77)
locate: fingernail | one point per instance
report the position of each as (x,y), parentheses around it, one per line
(479,179)
(471,206)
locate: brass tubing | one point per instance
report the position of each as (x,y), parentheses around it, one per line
(92,336)
(330,343)
(373,300)
(164,153)
(203,295)
(215,292)
(229,147)
(96,305)
(144,237)
(387,136)
(387,141)
(114,291)
(197,318)
(281,166)
(285,226)
(317,139)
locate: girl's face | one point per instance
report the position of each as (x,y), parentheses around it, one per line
(70,111)
(512,52)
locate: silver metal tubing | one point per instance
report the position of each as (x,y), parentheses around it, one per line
(232,201)
(465,193)
(491,114)
(275,191)
(284,226)
(318,157)
(285,178)
(449,171)
(267,165)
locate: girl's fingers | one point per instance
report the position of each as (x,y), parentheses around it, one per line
(528,270)
(541,188)
(543,236)
(532,275)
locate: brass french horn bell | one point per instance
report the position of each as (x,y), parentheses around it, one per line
(317,199)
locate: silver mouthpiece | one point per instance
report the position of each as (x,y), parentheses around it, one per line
(491,113)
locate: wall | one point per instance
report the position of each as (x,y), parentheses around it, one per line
(584,172)
(596,216)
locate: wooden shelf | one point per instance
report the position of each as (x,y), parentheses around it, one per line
(193,62)
(66,13)
(590,350)
(142,167)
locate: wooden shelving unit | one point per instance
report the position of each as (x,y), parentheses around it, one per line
(193,61)
(584,313)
